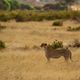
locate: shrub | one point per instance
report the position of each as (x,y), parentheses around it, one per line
(56,44)
(56,6)
(2,27)
(21,18)
(4,16)
(57,23)
(35,15)
(26,6)
(75,43)
(2,45)
(73,28)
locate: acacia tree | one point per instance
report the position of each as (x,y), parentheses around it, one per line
(2,6)
(9,4)
(14,4)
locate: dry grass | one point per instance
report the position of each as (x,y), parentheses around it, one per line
(31,64)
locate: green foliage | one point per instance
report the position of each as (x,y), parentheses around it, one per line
(29,16)
(73,28)
(14,4)
(9,4)
(57,23)
(4,16)
(56,44)
(21,17)
(32,15)
(2,45)
(26,6)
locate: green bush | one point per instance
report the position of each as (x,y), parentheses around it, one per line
(57,23)
(56,44)
(2,45)
(73,28)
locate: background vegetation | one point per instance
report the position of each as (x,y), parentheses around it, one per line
(13,4)
(31,15)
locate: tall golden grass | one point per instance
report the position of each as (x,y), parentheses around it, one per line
(31,64)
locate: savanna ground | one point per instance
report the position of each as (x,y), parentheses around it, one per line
(18,62)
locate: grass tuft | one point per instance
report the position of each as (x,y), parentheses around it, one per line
(2,45)
(57,23)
